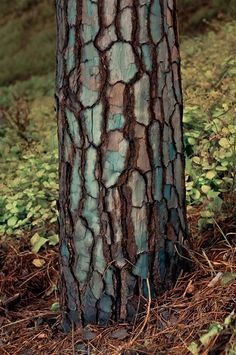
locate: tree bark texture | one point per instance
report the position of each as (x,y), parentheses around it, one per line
(122,195)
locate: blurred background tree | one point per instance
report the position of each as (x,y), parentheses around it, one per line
(193,14)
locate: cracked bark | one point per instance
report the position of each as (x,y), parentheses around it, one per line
(122,196)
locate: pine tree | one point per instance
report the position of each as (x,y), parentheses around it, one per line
(122,194)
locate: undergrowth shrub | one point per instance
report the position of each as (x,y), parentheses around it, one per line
(210,120)
(29,198)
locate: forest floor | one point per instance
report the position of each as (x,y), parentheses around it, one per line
(197,316)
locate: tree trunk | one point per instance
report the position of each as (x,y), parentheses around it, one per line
(122,195)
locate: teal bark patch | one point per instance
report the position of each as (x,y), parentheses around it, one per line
(73,127)
(173,201)
(172,151)
(93,120)
(178,168)
(156,21)
(126,24)
(89,305)
(109,11)
(115,164)
(90,297)
(90,25)
(72,12)
(105,309)
(143,15)
(90,75)
(147,57)
(167,192)
(64,252)
(105,304)
(91,7)
(169,151)
(68,146)
(139,220)
(155,140)
(109,283)
(116,121)
(158,183)
(161,80)
(141,94)
(83,241)
(169,100)
(89,32)
(163,56)
(165,150)
(71,50)
(121,62)
(106,37)
(138,187)
(141,267)
(88,97)
(60,70)
(90,58)
(96,285)
(71,292)
(99,260)
(75,187)
(162,213)
(174,217)
(170,249)
(91,183)
(90,212)
(171,36)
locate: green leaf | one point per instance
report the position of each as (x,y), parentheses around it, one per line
(205,189)
(191,141)
(216,204)
(9,206)
(55,307)
(207,214)
(204,222)
(210,174)
(227,278)
(187,118)
(38,262)
(224,142)
(196,160)
(195,194)
(193,348)
(37,242)
(53,239)
(221,168)
(228,320)
(213,331)
(212,194)
(12,221)
(190,50)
